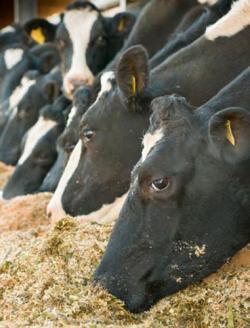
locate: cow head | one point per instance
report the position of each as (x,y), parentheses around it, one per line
(25,114)
(68,139)
(98,170)
(106,39)
(187,210)
(39,151)
(72,38)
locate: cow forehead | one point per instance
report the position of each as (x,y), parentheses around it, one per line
(106,85)
(7,29)
(13,56)
(34,135)
(79,22)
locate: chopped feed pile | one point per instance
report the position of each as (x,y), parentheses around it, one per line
(24,212)
(47,282)
(5,173)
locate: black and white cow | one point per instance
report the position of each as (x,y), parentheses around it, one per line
(155,24)
(39,150)
(84,38)
(68,139)
(35,94)
(40,57)
(188,206)
(98,170)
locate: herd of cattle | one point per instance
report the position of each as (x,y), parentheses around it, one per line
(145,117)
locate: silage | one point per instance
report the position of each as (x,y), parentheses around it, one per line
(45,279)
(49,283)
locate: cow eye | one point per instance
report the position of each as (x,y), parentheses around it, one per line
(88,135)
(100,39)
(160,184)
(69,147)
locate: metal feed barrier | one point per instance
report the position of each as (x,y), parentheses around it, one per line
(27,9)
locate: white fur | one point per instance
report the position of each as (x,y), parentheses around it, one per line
(107,213)
(233,22)
(55,204)
(208,2)
(35,133)
(78,24)
(149,141)
(106,86)
(20,91)
(12,57)
(54,19)
(72,114)
(7,29)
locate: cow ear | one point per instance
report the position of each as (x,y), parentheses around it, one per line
(122,23)
(229,134)
(132,72)
(40,30)
(51,90)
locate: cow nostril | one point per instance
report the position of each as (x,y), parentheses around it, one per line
(49,214)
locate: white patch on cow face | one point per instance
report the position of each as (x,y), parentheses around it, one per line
(54,19)
(107,213)
(7,29)
(12,57)
(35,133)
(55,209)
(149,141)
(233,22)
(208,2)
(78,24)
(72,114)
(20,92)
(106,86)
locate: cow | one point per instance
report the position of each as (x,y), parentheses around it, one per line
(40,91)
(188,205)
(68,139)
(85,37)
(164,17)
(39,150)
(42,57)
(15,42)
(192,26)
(97,175)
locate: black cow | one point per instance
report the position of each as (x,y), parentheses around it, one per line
(121,113)
(188,206)
(84,38)
(24,115)
(192,26)
(39,150)
(68,139)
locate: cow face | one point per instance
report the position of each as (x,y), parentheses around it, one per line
(106,39)
(99,168)
(24,115)
(68,139)
(39,151)
(187,210)
(72,39)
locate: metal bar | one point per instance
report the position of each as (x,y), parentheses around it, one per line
(24,10)
(123,5)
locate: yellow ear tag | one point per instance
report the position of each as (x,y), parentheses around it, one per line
(133,85)
(37,35)
(121,25)
(229,133)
